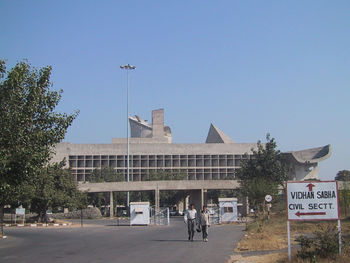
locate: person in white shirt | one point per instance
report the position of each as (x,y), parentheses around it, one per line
(204,221)
(190,219)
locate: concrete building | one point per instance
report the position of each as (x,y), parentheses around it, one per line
(152,150)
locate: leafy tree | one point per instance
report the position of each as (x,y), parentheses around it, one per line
(98,199)
(101,200)
(29,126)
(263,173)
(106,174)
(164,175)
(171,197)
(53,188)
(343,175)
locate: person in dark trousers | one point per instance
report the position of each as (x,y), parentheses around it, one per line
(190,219)
(204,220)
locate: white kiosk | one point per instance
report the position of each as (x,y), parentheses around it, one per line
(139,213)
(228,209)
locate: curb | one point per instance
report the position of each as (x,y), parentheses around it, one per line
(37,225)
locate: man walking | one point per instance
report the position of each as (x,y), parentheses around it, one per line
(190,218)
(204,221)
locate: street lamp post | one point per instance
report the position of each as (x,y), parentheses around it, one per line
(127,67)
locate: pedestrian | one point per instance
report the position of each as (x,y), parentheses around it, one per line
(205,223)
(190,219)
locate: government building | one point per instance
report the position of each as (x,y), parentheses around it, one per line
(152,150)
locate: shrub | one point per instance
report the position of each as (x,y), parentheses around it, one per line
(327,242)
(306,248)
(323,243)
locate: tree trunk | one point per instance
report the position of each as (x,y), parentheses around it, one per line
(2,219)
(40,217)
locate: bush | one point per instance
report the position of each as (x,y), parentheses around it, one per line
(306,248)
(324,243)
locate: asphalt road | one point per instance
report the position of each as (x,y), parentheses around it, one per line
(104,241)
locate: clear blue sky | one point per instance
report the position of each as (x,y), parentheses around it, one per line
(249,67)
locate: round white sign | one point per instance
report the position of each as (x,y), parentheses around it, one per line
(268,198)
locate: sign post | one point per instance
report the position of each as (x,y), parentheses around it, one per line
(268,199)
(312,200)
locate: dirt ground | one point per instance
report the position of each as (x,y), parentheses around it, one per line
(263,236)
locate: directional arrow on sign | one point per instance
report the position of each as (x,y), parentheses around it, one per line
(310,186)
(309,214)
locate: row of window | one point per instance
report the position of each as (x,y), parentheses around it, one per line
(156,157)
(162,161)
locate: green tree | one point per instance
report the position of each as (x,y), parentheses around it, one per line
(54,188)
(29,126)
(171,197)
(106,174)
(101,200)
(98,200)
(164,175)
(263,173)
(343,175)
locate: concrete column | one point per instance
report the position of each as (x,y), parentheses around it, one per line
(156,199)
(202,198)
(205,197)
(186,202)
(111,205)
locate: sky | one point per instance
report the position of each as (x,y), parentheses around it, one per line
(248,67)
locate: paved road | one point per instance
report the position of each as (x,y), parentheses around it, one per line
(106,242)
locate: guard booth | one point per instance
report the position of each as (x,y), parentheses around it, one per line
(228,210)
(139,213)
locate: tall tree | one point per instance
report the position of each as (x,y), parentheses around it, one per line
(263,173)
(29,125)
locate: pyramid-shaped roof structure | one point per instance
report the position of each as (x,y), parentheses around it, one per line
(215,135)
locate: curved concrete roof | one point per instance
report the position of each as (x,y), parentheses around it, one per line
(313,155)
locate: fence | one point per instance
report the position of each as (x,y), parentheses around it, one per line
(159,217)
(214,215)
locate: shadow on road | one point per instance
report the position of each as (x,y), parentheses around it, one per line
(119,225)
(175,240)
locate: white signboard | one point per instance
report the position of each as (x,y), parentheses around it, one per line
(312,200)
(20,211)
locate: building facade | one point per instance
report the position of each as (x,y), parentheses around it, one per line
(152,151)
